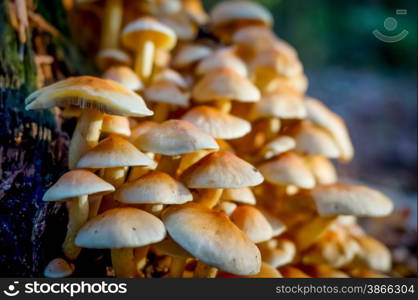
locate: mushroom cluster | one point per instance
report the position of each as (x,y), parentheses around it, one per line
(203,157)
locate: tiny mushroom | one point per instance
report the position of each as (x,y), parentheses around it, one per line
(58,268)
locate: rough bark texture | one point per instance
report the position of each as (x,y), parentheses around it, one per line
(32,149)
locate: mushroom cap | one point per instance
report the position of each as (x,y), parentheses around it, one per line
(154,187)
(182,25)
(113,124)
(288,168)
(190,54)
(322,169)
(277,226)
(110,57)
(221,169)
(113,152)
(166,92)
(125,76)
(140,129)
(240,11)
(298,82)
(225,84)
(222,59)
(277,252)
(58,268)
(253,223)
(275,62)
(227,207)
(171,76)
(373,254)
(148,29)
(241,195)
(121,228)
(319,114)
(277,146)
(347,199)
(212,238)
(282,103)
(175,137)
(92,92)
(218,124)
(313,140)
(76,183)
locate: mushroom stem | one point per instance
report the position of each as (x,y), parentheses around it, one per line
(137,172)
(94,205)
(86,135)
(78,213)
(123,262)
(140,255)
(210,197)
(177,267)
(169,164)
(204,271)
(116,177)
(145,60)
(161,112)
(223,105)
(111,25)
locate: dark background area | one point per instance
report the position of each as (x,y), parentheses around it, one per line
(370,83)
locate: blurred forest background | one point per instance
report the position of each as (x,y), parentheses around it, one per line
(372,84)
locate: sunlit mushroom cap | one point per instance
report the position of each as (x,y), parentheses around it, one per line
(171,76)
(240,12)
(154,187)
(76,183)
(373,254)
(253,223)
(221,169)
(212,238)
(222,59)
(241,195)
(112,57)
(298,82)
(140,129)
(121,228)
(216,123)
(313,140)
(282,103)
(189,54)
(225,84)
(322,116)
(277,146)
(346,199)
(322,169)
(58,268)
(175,137)
(277,252)
(113,124)
(125,76)
(89,92)
(288,168)
(166,92)
(148,29)
(113,152)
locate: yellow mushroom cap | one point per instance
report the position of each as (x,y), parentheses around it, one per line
(239,11)
(221,169)
(253,223)
(125,76)
(222,59)
(346,199)
(313,140)
(107,58)
(92,92)
(154,187)
(116,125)
(76,183)
(216,123)
(240,195)
(166,92)
(175,137)
(319,114)
(212,238)
(322,169)
(189,54)
(225,84)
(171,76)
(113,152)
(148,29)
(277,252)
(288,168)
(277,146)
(140,129)
(58,268)
(121,228)
(298,82)
(373,254)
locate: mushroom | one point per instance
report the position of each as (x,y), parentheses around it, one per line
(241,195)
(222,59)
(144,35)
(277,252)
(190,54)
(219,170)
(58,268)
(194,9)
(372,254)
(322,169)
(227,207)
(178,256)
(121,230)
(222,86)
(213,239)
(309,232)
(277,146)
(116,125)
(95,96)
(107,58)
(74,187)
(125,76)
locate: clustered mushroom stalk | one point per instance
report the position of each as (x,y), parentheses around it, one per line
(112,21)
